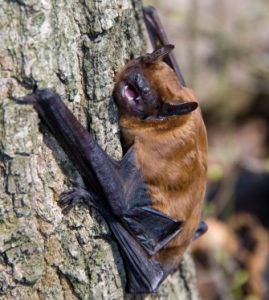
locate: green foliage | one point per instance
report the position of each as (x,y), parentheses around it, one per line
(239,280)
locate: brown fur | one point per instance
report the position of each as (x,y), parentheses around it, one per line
(172,156)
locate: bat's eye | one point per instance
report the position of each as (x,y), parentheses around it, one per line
(145,90)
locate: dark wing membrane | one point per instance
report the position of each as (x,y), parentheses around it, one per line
(151,228)
(144,273)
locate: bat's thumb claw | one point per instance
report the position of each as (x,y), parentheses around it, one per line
(28,99)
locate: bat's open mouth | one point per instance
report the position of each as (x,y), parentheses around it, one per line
(130,94)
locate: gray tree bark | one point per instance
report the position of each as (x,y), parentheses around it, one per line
(75,47)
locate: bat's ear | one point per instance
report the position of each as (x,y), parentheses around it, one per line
(151,58)
(169,110)
(158,54)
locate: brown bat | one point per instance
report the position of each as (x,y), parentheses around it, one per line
(152,198)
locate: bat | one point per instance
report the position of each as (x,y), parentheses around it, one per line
(152,198)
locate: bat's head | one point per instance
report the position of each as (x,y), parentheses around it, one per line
(148,89)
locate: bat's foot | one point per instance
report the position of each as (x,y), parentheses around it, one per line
(69,199)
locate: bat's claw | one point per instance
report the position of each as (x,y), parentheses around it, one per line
(43,95)
(28,99)
(69,199)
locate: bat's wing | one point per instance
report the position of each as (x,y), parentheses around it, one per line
(144,273)
(151,228)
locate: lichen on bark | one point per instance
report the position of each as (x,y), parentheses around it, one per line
(76,48)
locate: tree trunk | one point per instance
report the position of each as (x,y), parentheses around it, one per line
(75,47)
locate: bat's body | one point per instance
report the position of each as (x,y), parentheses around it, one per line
(172,156)
(152,198)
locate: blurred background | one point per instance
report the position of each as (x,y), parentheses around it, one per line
(223,50)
